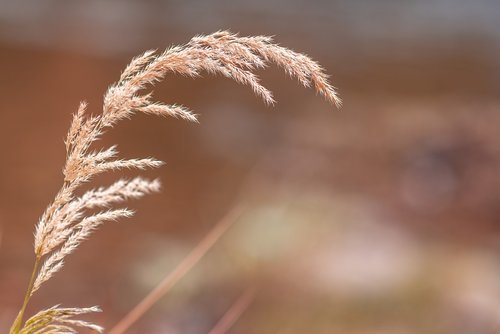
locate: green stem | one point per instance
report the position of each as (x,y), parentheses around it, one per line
(16,326)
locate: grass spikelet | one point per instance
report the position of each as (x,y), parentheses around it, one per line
(59,320)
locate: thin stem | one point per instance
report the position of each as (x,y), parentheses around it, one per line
(180,271)
(234,312)
(16,326)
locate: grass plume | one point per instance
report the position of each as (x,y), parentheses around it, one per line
(71,219)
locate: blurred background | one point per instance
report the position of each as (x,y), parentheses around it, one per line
(379,218)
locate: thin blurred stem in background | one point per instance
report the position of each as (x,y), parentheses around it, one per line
(235,311)
(179,272)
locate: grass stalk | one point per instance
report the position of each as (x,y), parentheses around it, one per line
(70,219)
(16,326)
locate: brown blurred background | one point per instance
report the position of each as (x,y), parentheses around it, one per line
(381,218)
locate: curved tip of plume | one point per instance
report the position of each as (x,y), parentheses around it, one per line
(222,53)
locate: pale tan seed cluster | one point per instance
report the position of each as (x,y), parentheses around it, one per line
(70,219)
(59,320)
